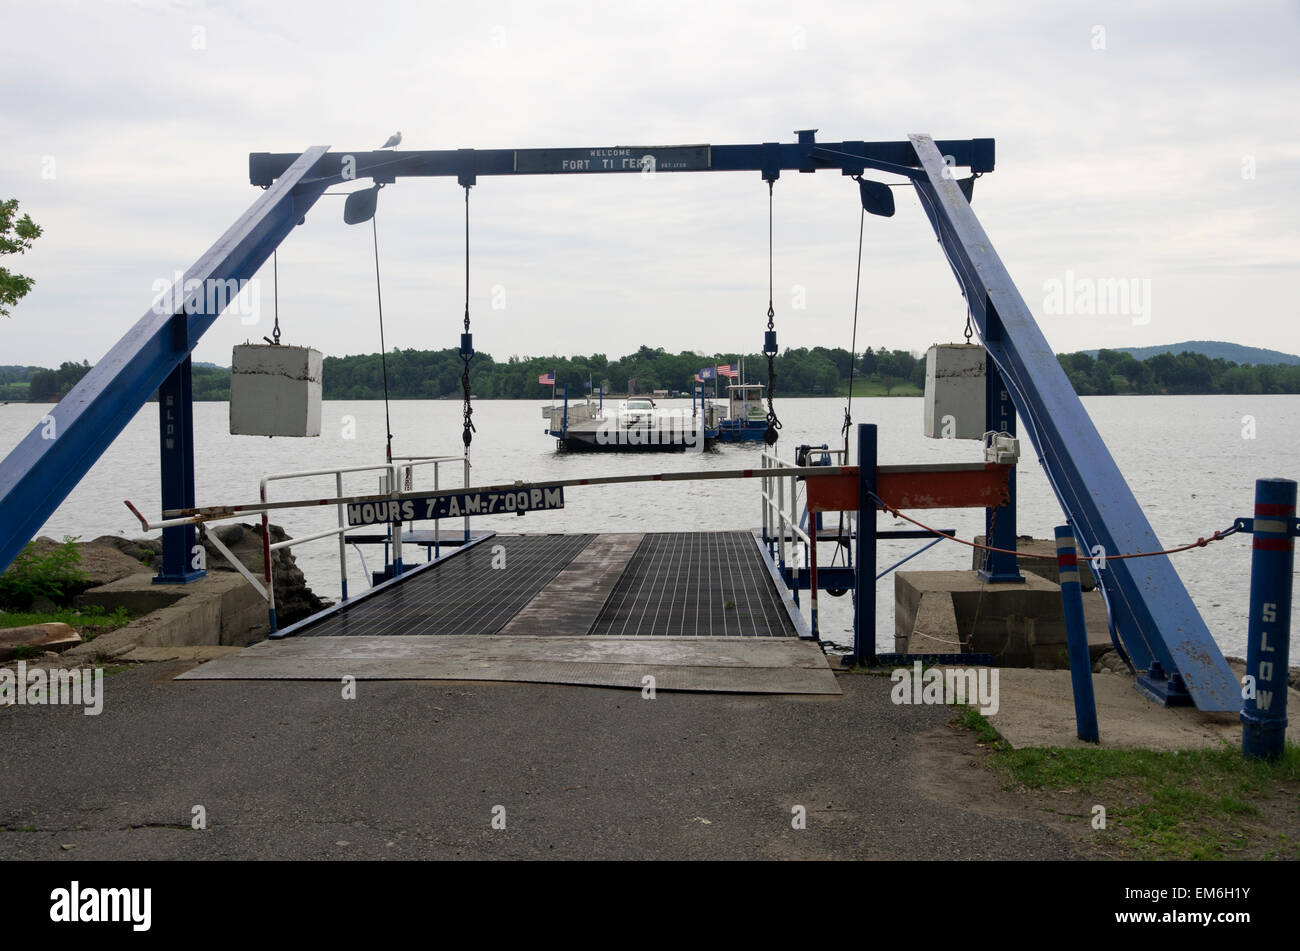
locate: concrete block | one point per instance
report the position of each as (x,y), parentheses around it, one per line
(954,391)
(136,592)
(1020,624)
(936,629)
(275,391)
(220,609)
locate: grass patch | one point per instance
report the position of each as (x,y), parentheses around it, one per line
(979,724)
(1187,804)
(88,622)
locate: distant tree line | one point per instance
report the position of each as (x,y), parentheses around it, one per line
(434,374)
(424,374)
(46,386)
(1112,372)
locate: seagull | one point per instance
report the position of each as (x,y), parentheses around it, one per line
(394,139)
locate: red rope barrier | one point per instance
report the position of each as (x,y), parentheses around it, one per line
(1199,543)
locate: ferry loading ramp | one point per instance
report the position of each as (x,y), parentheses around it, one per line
(664,611)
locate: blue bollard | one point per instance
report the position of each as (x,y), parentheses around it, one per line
(1076,636)
(1268,631)
(864,580)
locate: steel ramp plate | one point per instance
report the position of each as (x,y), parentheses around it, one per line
(722,665)
(463,594)
(710,584)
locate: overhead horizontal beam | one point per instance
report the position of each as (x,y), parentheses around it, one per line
(42,469)
(769,158)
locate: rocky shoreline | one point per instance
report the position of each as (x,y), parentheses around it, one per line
(113,574)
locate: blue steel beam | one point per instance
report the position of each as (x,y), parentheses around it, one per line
(1149,604)
(42,469)
(770,158)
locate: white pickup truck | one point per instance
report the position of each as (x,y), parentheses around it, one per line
(636,413)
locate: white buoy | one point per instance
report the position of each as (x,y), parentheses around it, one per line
(954,391)
(275,390)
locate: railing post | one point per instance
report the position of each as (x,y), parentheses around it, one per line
(780,511)
(1268,631)
(394,487)
(343,543)
(794,538)
(812,574)
(864,579)
(1076,636)
(437,529)
(467,486)
(266,564)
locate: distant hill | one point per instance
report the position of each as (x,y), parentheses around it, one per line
(1214,349)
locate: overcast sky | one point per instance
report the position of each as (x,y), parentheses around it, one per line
(1155,143)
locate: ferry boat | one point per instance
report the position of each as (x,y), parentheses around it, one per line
(746,418)
(637,424)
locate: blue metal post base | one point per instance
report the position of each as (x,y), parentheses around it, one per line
(1163,689)
(184,577)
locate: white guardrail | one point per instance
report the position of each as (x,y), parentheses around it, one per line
(402,468)
(776,519)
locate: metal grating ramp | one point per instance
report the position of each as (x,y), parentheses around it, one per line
(695,584)
(463,595)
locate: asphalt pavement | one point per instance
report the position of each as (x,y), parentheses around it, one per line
(445,770)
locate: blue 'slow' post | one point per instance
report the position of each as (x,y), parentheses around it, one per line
(864,579)
(1076,636)
(1268,631)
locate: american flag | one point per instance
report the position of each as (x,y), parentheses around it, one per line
(547,379)
(727,371)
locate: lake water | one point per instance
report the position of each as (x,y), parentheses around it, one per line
(1190,460)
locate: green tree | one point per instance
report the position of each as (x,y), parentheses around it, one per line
(15,238)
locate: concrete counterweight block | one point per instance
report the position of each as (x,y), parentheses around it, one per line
(954,391)
(275,390)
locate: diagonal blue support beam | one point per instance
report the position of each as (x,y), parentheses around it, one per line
(42,469)
(1148,602)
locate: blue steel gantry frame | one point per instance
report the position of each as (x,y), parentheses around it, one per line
(1148,603)
(1150,607)
(154,355)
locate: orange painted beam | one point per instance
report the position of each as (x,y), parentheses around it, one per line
(978,485)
